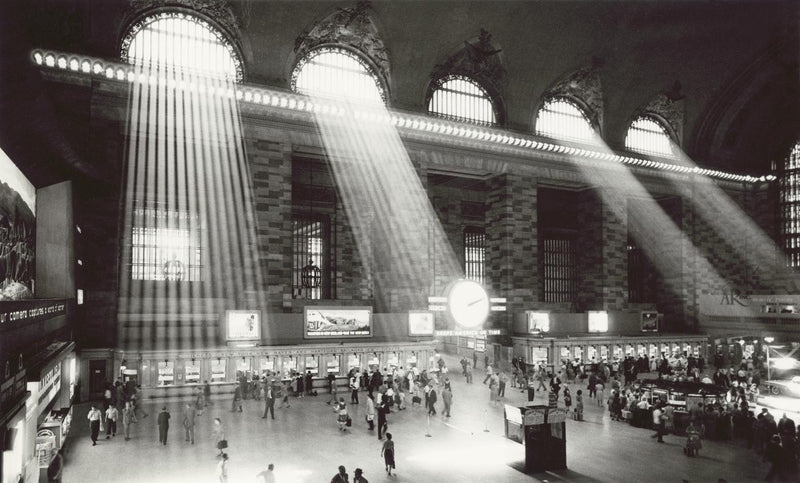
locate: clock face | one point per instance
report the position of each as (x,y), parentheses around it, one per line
(468,303)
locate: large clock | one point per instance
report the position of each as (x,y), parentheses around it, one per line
(468,303)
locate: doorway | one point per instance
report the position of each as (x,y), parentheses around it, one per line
(97,378)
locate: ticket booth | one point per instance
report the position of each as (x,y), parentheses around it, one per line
(543,431)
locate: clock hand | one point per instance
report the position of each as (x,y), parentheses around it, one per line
(475,302)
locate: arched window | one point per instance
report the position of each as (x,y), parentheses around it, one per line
(459,97)
(790,206)
(648,135)
(337,72)
(562,118)
(181,41)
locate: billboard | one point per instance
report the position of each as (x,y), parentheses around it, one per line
(243,325)
(17,232)
(420,323)
(650,321)
(337,322)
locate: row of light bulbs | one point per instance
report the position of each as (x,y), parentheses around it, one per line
(295,102)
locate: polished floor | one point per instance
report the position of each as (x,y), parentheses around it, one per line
(305,445)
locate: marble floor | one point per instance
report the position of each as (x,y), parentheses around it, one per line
(305,445)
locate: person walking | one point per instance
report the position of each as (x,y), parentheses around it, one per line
(189,415)
(359,478)
(658,423)
(579,405)
(341,414)
(354,384)
(531,390)
(387,451)
(128,417)
(332,389)
(219,436)
(468,372)
(222,469)
(285,393)
(341,476)
(163,425)
(112,413)
(207,394)
(371,411)
(501,389)
(431,404)
(237,400)
(447,397)
(489,372)
(95,418)
(383,408)
(309,383)
(474,359)
(269,401)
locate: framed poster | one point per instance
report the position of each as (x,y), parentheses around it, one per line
(218,370)
(243,325)
(192,374)
(420,323)
(538,322)
(166,373)
(649,321)
(337,322)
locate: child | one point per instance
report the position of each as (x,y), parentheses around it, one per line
(579,406)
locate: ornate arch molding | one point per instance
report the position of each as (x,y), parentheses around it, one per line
(217,13)
(354,29)
(480,60)
(668,108)
(584,88)
(776,61)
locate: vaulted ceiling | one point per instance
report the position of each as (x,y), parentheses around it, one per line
(737,63)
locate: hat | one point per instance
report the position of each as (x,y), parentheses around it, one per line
(359,471)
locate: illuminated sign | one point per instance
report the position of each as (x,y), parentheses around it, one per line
(242,325)
(466,333)
(337,322)
(420,323)
(598,321)
(538,322)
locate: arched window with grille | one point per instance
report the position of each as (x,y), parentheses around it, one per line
(790,206)
(177,40)
(336,72)
(460,98)
(648,135)
(561,118)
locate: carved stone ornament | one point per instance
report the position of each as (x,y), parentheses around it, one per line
(583,87)
(478,61)
(669,107)
(225,25)
(351,28)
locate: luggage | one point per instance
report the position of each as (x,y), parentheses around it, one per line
(349,421)
(222,444)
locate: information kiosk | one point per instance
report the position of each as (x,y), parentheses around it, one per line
(543,431)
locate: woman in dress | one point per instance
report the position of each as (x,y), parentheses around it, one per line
(387,451)
(341,414)
(219,436)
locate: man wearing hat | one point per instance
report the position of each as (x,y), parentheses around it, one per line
(269,398)
(359,478)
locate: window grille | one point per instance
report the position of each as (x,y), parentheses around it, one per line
(176,40)
(562,119)
(647,135)
(475,254)
(462,99)
(310,246)
(559,270)
(790,206)
(337,72)
(166,245)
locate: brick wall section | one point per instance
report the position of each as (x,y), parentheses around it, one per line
(353,260)
(512,244)
(615,254)
(271,171)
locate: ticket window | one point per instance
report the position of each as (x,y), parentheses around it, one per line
(411,361)
(629,350)
(393,361)
(192,373)
(166,373)
(641,350)
(218,368)
(591,354)
(312,365)
(617,352)
(538,355)
(578,351)
(243,367)
(653,351)
(289,366)
(564,354)
(353,362)
(604,352)
(267,366)
(664,349)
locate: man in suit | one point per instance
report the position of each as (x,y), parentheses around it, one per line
(189,415)
(269,400)
(432,401)
(163,425)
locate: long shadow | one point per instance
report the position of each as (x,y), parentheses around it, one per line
(554,475)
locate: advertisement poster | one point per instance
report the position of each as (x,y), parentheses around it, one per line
(649,321)
(218,370)
(243,325)
(192,374)
(166,373)
(420,323)
(17,232)
(336,322)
